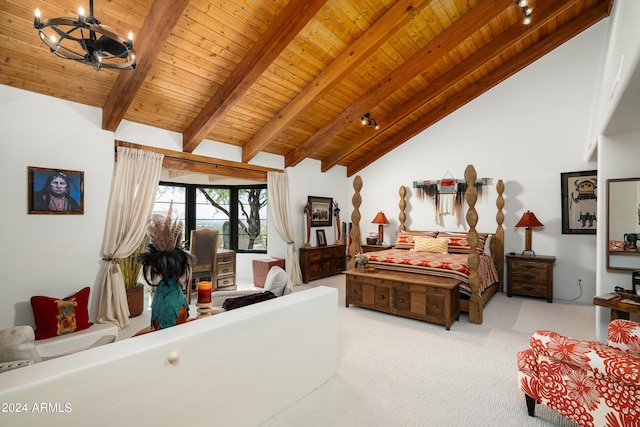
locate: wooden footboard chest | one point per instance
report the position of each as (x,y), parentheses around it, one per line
(428,298)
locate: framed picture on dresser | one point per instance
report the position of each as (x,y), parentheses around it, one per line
(322,239)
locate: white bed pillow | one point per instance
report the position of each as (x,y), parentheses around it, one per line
(436,245)
(278,282)
(487,245)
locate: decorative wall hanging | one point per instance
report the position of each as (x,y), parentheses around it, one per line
(451,187)
(55,191)
(579,201)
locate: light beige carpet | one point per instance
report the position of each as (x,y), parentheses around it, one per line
(402,372)
(574,320)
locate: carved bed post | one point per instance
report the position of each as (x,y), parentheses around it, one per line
(355,247)
(499,236)
(403,204)
(471,196)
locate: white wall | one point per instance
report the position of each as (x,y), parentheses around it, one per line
(525,131)
(617,158)
(617,108)
(616,124)
(306,180)
(53,255)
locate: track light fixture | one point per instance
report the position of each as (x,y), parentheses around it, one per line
(526,11)
(366,119)
(85,40)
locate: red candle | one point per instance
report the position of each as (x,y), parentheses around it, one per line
(204,292)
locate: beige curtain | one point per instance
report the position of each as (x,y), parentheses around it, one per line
(278,186)
(133,191)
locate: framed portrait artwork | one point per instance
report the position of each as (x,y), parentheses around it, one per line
(321,209)
(322,239)
(55,191)
(579,202)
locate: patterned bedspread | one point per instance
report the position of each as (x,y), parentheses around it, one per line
(445,265)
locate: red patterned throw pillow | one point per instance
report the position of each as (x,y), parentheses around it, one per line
(458,243)
(61,316)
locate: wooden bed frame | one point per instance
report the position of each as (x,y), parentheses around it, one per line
(474,305)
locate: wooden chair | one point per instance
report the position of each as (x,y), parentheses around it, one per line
(204,245)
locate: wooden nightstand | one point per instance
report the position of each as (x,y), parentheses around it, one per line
(530,275)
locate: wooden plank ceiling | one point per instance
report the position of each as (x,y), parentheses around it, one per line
(293,77)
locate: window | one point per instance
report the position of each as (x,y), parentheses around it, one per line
(239,213)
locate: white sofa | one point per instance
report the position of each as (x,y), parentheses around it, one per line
(19,348)
(238,368)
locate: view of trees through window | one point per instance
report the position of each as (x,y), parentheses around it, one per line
(239,213)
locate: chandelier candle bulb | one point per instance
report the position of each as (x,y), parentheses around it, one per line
(204,292)
(36,20)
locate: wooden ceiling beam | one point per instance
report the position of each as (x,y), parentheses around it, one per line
(385,27)
(156,28)
(286,26)
(186,162)
(438,87)
(586,19)
(451,37)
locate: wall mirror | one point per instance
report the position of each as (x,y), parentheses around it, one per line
(623,224)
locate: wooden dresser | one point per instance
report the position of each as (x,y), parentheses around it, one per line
(430,298)
(322,261)
(530,275)
(226,268)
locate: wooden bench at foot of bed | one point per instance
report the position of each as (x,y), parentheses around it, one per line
(430,298)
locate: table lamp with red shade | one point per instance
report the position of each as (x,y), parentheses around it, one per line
(529,221)
(381,220)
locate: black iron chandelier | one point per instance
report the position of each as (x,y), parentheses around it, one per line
(85,39)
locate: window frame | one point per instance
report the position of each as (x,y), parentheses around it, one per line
(234,220)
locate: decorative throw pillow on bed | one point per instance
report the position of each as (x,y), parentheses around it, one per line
(406,239)
(438,245)
(459,244)
(55,316)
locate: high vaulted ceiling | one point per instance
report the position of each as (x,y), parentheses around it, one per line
(293,77)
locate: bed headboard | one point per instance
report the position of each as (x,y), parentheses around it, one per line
(497,238)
